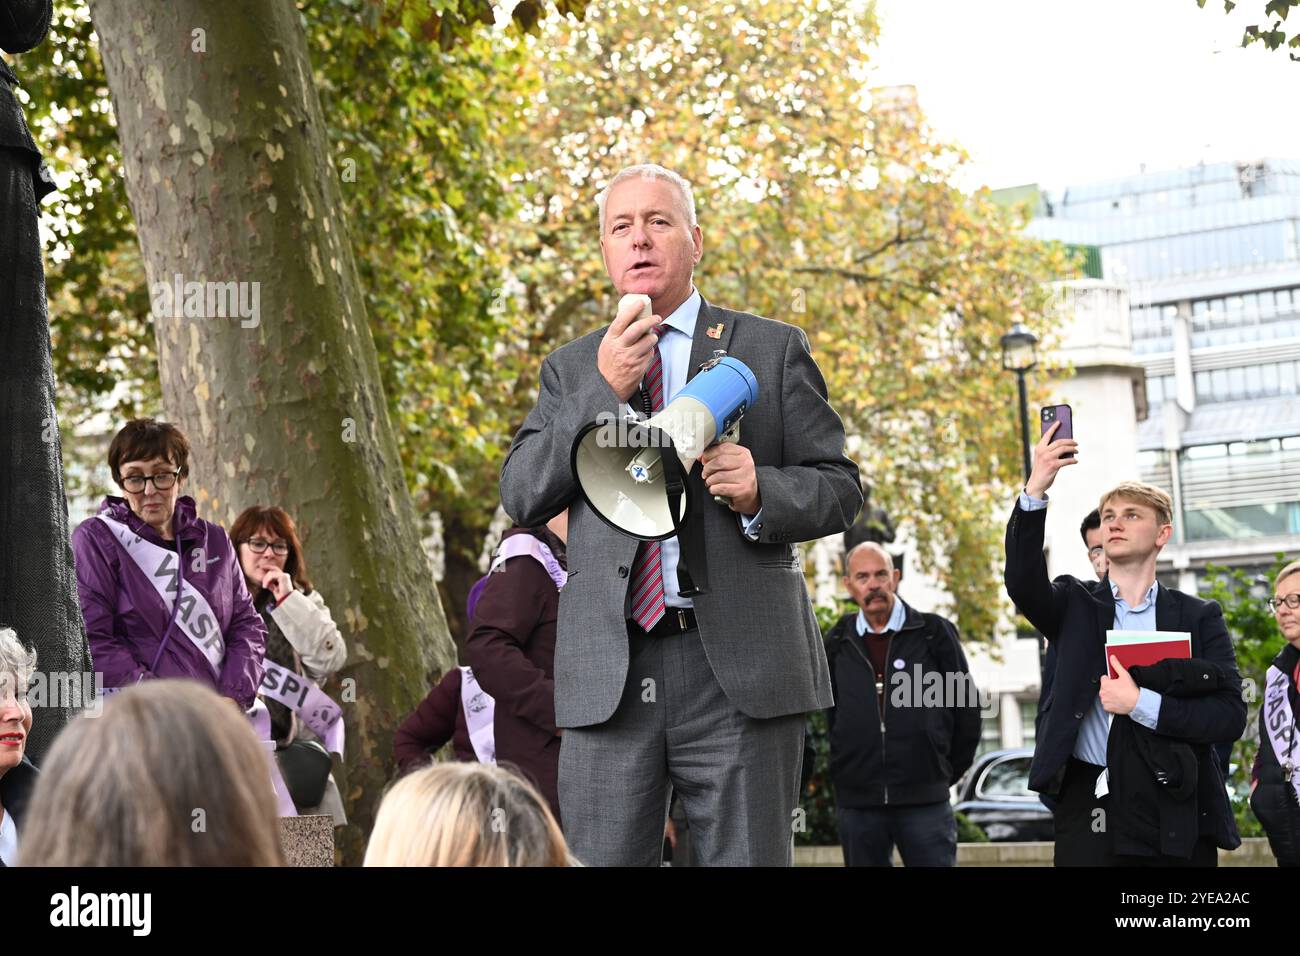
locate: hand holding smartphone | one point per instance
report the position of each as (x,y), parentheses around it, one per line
(1055,449)
(1051,414)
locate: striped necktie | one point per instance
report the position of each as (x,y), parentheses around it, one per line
(647,570)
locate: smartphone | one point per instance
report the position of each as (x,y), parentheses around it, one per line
(1062,414)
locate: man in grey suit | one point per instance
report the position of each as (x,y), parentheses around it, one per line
(653,691)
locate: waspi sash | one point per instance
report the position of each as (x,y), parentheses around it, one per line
(1279,724)
(521,544)
(304,698)
(198,623)
(161,569)
(479,707)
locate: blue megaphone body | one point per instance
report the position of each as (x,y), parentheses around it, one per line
(618,464)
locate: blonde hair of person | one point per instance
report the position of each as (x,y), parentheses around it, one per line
(169,774)
(1290,569)
(465,814)
(1143,494)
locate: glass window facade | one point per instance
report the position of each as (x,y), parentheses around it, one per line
(990,735)
(1159,388)
(1271,314)
(1231,249)
(1153,328)
(1237,384)
(1243,521)
(1028,713)
(1235,490)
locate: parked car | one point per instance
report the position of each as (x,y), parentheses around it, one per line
(994,794)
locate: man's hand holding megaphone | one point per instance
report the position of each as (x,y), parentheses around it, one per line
(628,346)
(622,359)
(729,473)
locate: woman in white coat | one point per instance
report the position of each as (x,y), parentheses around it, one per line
(302,642)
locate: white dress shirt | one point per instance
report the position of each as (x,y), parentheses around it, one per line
(675,353)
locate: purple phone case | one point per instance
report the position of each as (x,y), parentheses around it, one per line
(1066,417)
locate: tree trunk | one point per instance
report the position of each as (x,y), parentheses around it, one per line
(230,179)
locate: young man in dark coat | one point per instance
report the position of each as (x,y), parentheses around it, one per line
(905,724)
(1077,744)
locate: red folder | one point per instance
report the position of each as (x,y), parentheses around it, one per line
(1152,652)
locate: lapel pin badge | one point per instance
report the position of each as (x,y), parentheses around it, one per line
(714,331)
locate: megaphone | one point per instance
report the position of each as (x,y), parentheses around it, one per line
(621,465)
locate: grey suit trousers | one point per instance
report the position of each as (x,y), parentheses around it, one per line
(675,729)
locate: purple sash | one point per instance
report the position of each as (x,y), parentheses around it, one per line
(1279,724)
(162,569)
(261,718)
(304,698)
(479,707)
(521,544)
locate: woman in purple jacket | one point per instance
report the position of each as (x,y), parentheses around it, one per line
(127,560)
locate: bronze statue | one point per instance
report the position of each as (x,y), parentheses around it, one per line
(38,586)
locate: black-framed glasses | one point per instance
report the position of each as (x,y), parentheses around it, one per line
(135,483)
(259,546)
(1291,600)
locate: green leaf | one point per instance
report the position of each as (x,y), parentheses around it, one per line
(1279,8)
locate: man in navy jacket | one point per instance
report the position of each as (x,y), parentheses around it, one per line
(905,724)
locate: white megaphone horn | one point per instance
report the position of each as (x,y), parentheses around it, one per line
(619,463)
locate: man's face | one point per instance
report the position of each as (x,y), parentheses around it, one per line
(649,244)
(1130,531)
(1097,552)
(871,582)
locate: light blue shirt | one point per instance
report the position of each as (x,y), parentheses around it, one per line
(675,353)
(895,622)
(1090,745)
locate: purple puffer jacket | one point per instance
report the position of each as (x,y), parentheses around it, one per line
(126,619)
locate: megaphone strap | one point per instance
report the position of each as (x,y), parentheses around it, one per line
(690,536)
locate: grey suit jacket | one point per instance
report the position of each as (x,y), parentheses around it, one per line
(756,622)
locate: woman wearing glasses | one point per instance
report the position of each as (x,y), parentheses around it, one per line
(1275,778)
(302,640)
(127,559)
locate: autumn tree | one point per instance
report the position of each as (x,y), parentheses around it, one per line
(823,203)
(230,168)
(1273,35)
(418,100)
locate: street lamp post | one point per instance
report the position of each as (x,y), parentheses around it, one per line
(1018,356)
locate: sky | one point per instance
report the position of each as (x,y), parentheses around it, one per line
(1060,93)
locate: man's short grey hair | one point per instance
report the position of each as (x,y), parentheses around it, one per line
(14,658)
(649,171)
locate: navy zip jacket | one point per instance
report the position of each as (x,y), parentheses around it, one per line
(910,751)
